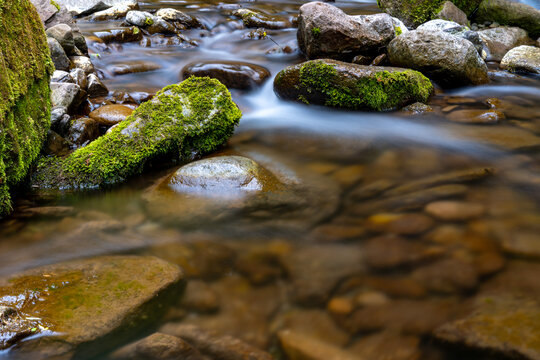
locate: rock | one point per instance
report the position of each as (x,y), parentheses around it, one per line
(522,58)
(55,144)
(253,19)
(116,12)
(511,13)
(79,78)
(405,224)
(325,31)
(122,35)
(60,120)
(200,297)
(451,12)
(135,66)
(203,103)
(447,276)
(100,6)
(447,59)
(79,7)
(298,346)
(157,346)
(178,17)
(503,325)
(216,346)
(60,76)
(387,252)
(80,42)
(160,26)
(338,84)
(110,115)
(455,210)
(65,94)
(525,244)
(500,40)
(83,131)
(140,18)
(58,55)
(45,9)
(134,290)
(260,268)
(317,270)
(233,74)
(415,13)
(84,63)
(387,345)
(476,116)
(48,212)
(96,87)
(441,25)
(64,35)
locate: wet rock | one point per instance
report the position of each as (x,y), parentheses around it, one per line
(65,95)
(45,9)
(178,17)
(110,115)
(58,55)
(405,224)
(476,116)
(200,297)
(79,78)
(338,84)
(60,76)
(60,120)
(214,345)
(315,271)
(298,346)
(122,35)
(64,35)
(417,108)
(397,286)
(387,252)
(451,12)
(522,58)
(523,243)
(140,18)
(518,278)
(441,25)
(116,12)
(55,144)
(253,19)
(95,87)
(133,290)
(84,63)
(160,26)
(504,325)
(505,137)
(83,131)
(325,31)
(135,66)
(233,74)
(447,59)
(48,212)
(387,345)
(500,40)
(83,6)
(157,346)
(260,268)
(447,276)
(510,13)
(455,210)
(80,42)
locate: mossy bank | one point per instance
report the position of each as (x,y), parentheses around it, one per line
(25,69)
(343,85)
(193,117)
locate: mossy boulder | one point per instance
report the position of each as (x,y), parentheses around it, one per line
(25,70)
(343,85)
(510,13)
(417,12)
(193,117)
(83,308)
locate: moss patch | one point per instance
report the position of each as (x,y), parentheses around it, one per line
(196,116)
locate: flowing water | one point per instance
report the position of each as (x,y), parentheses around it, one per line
(371,176)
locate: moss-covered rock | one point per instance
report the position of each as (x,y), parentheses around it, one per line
(511,13)
(195,116)
(343,85)
(25,69)
(416,12)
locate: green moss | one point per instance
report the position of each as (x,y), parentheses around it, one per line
(417,12)
(25,68)
(196,116)
(55,4)
(383,90)
(316,31)
(398,30)
(148,21)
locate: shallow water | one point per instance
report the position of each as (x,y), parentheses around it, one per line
(367,168)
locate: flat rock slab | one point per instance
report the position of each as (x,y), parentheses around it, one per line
(507,325)
(85,307)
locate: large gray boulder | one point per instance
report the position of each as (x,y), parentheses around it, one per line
(510,13)
(345,85)
(83,6)
(522,59)
(449,60)
(502,39)
(325,31)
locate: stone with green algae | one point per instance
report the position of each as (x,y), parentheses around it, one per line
(81,308)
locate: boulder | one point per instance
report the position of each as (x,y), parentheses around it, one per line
(45,9)
(95,86)
(84,63)
(86,307)
(58,55)
(458,30)
(253,19)
(338,84)
(451,12)
(64,35)
(121,35)
(195,116)
(83,131)
(447,59)
(178,17)
(110,115)
(416,12)
(61,77)
(116,12)
(25,71)
(502,39)
(511,13)
(522,59)
(233,74)
(65,95)
(140,18)
(325,31)
(85,6)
